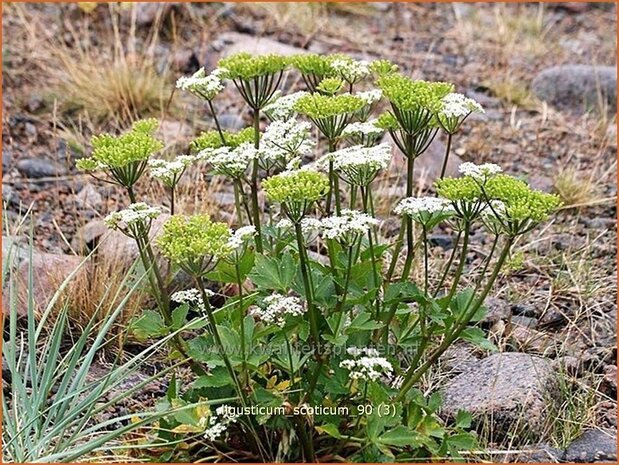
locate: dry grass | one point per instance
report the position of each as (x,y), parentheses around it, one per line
(94,78)
(576,188)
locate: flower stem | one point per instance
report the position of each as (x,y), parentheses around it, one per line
(254,184)
(444,168)
(237,202)
(305,272)
(415,374)
(239,283)
(214,113)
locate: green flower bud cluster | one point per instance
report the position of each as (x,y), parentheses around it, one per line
(521,202)
(195,243)
(407,94)
(316,106)
(330,86)
(383,67)
(246,66)
(387,121)
(459,189)
(212,139)
(112,152)
(296,186)
(313,64)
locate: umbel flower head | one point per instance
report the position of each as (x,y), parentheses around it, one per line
(230,162)
(241,237)
(363,133)
(359,165)
(124,157)
(296,190)
(330,114)
(134,221)
(276,308)
(281,108)
(195,243)
(455,109)
(203,85)
(313,68)
(330,86)
(213,140)
(285,143)
(350,70)
(348,227)
(414,103)
(255,76)
(427,211)
(383,67)
(366,364)
(170,172)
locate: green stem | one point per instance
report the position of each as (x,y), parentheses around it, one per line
(254,184)
(410,240)
(457,276)
(364,197)
(416,374)
(214,113)
(239,283)
(237,202)
(172,199)
(452,255)
(305,273)
(444,168)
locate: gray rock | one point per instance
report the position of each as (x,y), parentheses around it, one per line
(39,168)
(498,309)
(10,195)
(577,88)
(87,237)
(459,357)
(507,389)
(231,122)
(542,453)
(230,43)
(88,197)
(7,159)
(593,446)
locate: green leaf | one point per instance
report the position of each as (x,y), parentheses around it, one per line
(150,324)
(463,419)
(331,430)
(273,273)
(179,316)
(225,272)
(478,337)
(400,436)
(218,377)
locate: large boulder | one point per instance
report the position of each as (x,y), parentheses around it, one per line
(578,88)
(507,389)
(230,43)
(49,271)
(593,446)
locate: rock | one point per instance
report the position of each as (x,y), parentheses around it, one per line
(39,168)
(444,241)
(542,453)
(609,382)
(10,195)
(147,13)
(501,388)
(49,272)
(577,88)
(593,446)
(7,159)
(225,199)
(88,197)
(533,341)
(459,357)
(524,321)
(231,122)
(230,43)
(87,237)
(498,309)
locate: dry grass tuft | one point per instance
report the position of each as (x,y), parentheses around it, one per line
(574,188)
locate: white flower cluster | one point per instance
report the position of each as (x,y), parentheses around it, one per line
(230,162)
(138,213)
(347,227)
(286,142)
(367,128)
(282,108)
(417,205)
(481,172)
(366,364)
(351,70)
(219,424)
(458,106)
(240,236)
(359,164)
(169,172)
(370,96)
(203,85)
(277,307)
(190,296)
